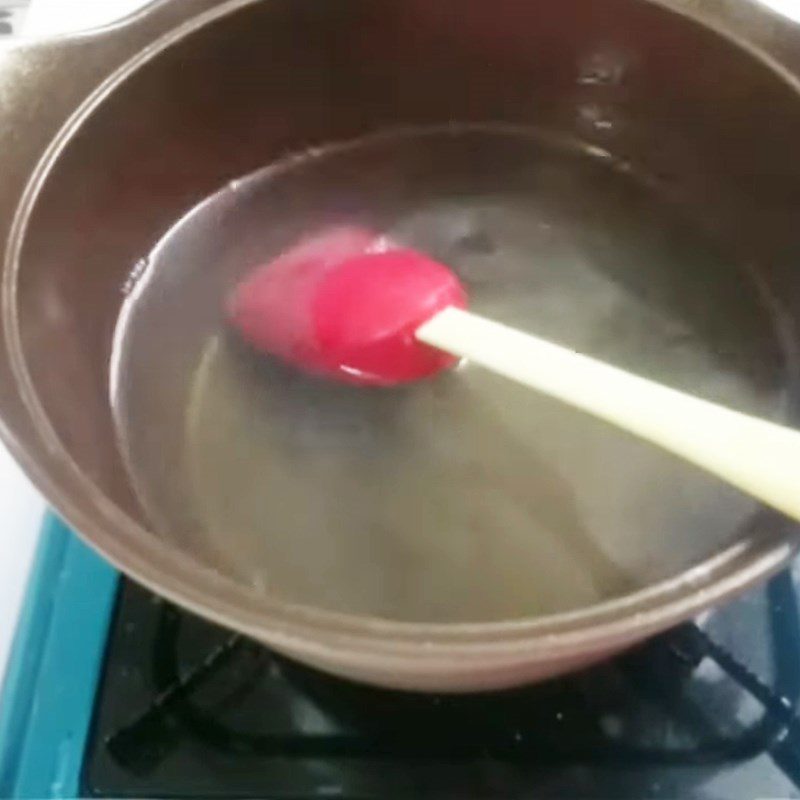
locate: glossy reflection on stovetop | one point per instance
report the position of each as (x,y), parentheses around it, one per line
(186,709)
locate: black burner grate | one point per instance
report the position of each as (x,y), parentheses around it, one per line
(706,711)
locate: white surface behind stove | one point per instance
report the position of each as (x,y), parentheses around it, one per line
(48,17)
(21,509)
(21,506)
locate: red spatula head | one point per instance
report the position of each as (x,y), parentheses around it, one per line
(345,305)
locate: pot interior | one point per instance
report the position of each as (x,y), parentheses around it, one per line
(588,181)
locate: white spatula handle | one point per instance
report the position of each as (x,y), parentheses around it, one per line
(757,456)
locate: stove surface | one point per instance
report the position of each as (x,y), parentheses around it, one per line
(708,711)
(114,693)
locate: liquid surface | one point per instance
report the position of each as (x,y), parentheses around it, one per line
(464,498)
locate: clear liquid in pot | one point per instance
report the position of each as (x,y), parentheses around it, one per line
(464,498)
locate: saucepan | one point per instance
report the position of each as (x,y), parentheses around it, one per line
(622,176)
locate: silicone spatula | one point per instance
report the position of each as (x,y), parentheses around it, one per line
(350,306)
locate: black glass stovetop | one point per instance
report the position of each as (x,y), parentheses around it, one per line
(186,709)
